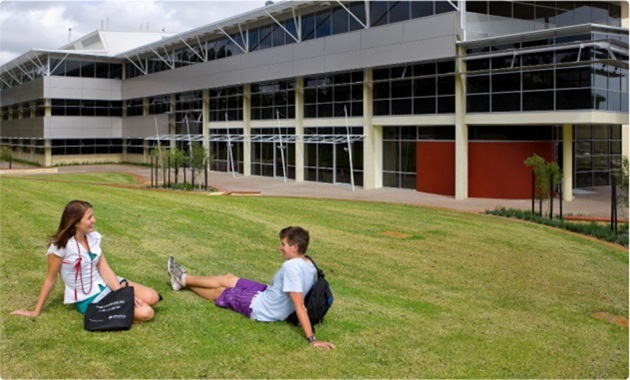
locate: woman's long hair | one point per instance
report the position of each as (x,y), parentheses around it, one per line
(72,214)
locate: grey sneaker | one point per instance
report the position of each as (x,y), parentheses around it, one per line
(176,272)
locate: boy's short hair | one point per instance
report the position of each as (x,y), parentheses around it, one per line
(296,235)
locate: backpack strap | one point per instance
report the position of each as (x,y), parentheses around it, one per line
(320,273)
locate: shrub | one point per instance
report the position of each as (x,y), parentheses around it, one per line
(597,230)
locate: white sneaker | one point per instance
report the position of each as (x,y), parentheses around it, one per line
(176,272)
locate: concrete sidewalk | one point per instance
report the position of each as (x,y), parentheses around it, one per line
(593,202)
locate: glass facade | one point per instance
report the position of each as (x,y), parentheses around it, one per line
(271,156)
(188,112)
(226,104)
(399,157)
(597,154)
(334,95)
(272,100)
(331,21)
(86,146)
(415,89)
(563,73)
(524,67)
(325,161)
(85,107)
(492,18)
(226,153)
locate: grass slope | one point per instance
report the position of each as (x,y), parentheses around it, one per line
(419,293)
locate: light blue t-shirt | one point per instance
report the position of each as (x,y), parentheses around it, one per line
(274,303)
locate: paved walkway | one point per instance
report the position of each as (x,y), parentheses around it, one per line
(593,202)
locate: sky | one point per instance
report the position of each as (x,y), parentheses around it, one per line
(27,25)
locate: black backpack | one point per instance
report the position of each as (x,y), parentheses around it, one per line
(317,301)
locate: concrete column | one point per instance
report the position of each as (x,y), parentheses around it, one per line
(461,129)
(47,108)
(205,118)
(625,141)
(172,126)
(247,129)
(567,162)
(373,142)
(47,151)
(299,129)
(625,23)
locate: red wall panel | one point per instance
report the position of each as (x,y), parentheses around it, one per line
(496,169)
(435,166)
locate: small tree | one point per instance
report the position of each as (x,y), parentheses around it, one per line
(5,154)
(547,176)
(160,153)
(622,184)
(199,158)
(178,159)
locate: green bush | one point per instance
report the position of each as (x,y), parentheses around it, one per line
(598,230)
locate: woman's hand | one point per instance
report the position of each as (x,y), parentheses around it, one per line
(25,313)
(138,302)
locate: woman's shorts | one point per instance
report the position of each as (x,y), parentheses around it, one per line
(239,298)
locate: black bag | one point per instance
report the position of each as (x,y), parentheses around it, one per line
(113,312)
(317,301)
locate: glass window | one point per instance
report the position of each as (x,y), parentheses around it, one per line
(402,107)
(506,82)
(401,89)
(340,21)
(424,69)
(446,104)
(424,106)
(398,11)
(500,9)
(265,38)
(358,9)
(537,80)
(378,13)
(444,6)
(381,90)
(545,17)
(323,25)
(102,70)
(574,99)
(73,68)
(478,103)
(506,102)
(573,77)
(278,36)
(446,85)
(422,9)
(523,11)
(424,87)
(308,27)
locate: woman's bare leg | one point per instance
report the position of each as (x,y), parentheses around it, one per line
(145,293)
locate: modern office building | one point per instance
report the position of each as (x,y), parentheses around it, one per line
(445,97)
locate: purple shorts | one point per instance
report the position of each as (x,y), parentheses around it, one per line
(239,298)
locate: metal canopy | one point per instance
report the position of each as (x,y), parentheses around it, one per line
(307,139)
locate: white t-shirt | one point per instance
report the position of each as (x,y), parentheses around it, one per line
(274,303)
(84,283)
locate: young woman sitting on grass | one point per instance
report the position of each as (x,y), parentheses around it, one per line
(75,253)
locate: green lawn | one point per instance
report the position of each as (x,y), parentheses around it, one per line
(419,293)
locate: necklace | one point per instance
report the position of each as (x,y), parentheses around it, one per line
(79,272)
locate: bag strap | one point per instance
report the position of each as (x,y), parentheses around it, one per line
(320,273)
